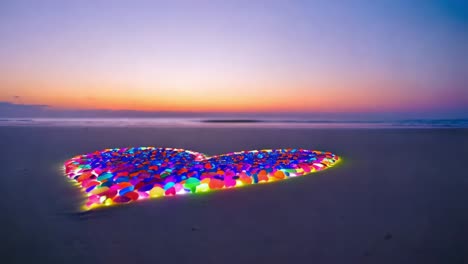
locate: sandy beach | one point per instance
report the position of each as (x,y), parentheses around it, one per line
(398,196)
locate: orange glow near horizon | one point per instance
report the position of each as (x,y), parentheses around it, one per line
(333,101)
(248,98)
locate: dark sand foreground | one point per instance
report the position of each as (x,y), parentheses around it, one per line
(399,196)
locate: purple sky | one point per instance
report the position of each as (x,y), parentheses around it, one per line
(398,56)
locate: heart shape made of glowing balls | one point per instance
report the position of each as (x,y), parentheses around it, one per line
(123,175)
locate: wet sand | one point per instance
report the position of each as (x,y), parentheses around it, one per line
(399,196)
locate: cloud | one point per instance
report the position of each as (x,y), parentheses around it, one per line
(14,110)
(17,110)
(8,109)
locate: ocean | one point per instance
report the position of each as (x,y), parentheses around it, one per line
(235,122)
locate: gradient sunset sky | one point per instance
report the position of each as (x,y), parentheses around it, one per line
(242,56)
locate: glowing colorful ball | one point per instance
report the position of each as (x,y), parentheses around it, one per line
(123,175)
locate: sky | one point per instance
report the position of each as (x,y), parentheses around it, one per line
(403,56)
